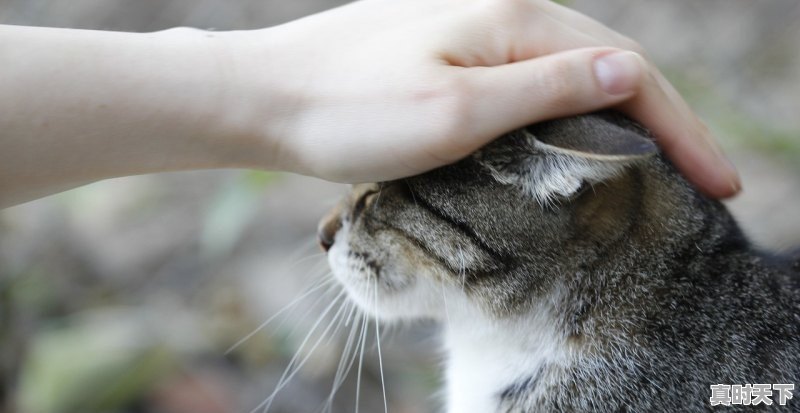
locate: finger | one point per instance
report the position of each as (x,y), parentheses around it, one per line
(514,95)
(683,137)
(496,33)
(593,33)
(572,82)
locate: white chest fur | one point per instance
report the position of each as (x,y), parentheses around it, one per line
(486,357)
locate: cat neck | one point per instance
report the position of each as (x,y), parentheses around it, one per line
(490,360)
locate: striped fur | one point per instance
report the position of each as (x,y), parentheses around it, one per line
(635,294)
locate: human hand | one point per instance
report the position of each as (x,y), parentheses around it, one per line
(375,90)
(381,89)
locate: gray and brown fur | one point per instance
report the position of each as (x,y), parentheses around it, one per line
(653,285)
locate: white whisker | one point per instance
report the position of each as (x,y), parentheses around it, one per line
(341,320)
(349,354)
(378,198)
(444,300)
(322,299)
(306,258)
(364,332)
(306,247)
(462,268)
(294,302)
(412,194)
(295,366)
(352,315)
(380,356)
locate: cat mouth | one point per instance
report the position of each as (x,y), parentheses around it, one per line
(363,267)
(367,261)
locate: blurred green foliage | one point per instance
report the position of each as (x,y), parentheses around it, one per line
(228,214)
(736,126)
(91,364)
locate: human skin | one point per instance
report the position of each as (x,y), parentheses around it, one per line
(371,91)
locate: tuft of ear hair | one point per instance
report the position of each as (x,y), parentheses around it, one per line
(557,158)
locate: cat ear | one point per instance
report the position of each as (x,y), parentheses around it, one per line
(604,137)
(557,158)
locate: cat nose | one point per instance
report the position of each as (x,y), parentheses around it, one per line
(328,227)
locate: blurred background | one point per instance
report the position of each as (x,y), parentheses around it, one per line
(124,296)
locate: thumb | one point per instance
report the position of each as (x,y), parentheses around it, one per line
(551,86)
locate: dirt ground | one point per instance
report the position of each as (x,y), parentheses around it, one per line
(123,296)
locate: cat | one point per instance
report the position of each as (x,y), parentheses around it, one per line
(574,270)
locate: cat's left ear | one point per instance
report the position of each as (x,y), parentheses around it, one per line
(557,158)
(603,137)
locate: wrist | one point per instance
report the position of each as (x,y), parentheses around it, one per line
(258,100)
(204,95)
(203,103)
(107,104)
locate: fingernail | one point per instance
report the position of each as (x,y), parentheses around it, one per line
(736,187)
(618,73)
(733,174)
(735,180)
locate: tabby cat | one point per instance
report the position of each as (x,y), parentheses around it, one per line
(574,270)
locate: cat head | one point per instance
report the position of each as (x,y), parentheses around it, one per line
(501,226)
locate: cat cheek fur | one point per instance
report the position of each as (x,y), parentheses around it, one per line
(405,289)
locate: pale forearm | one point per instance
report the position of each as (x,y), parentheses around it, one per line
(372,91)
(78,106)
